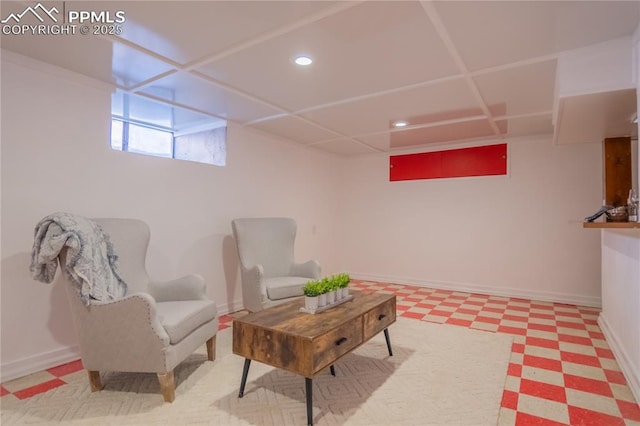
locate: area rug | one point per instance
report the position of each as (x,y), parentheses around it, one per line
(438,375)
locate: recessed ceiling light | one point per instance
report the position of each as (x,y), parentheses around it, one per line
(400,123)
(303,60)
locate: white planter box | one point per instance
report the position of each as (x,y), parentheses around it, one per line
(311,303)
(325,307)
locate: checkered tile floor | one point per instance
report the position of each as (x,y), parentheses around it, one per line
(562,371)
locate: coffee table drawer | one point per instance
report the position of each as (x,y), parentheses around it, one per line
(379,318)
(331,346)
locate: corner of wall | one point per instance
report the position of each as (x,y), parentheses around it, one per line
(597,68)
(627,365)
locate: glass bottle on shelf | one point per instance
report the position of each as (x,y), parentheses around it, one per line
(632,206)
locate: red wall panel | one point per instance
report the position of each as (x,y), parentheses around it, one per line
(477,161)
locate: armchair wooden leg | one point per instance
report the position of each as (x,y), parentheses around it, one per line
(167,386)
(94,380)
(211,348)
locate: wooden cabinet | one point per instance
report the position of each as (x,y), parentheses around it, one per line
(304,343)
(617,170)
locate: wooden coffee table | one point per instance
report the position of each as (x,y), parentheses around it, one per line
(306,344)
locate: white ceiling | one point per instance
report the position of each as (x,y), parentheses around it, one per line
(454,70)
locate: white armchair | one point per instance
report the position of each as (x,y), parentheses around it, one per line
(268,271)
(154,327)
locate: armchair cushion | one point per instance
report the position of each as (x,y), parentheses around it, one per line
(189,287)
(309,269)
(181,318)
(284,287)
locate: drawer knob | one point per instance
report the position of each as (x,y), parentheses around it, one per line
(341,341)
(381,317)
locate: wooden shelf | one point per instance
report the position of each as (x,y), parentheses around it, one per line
(612,225)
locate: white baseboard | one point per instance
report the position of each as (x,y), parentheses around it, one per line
(483,289)
(228,308)
(36,363)
(628,366)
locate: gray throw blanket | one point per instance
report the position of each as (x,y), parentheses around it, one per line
(90,261)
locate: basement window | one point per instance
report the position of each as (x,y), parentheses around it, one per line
(143,126)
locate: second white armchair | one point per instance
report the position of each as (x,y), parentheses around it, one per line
(266,251)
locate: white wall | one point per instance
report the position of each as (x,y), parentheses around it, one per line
(620,316)
(518,235)
(56,157)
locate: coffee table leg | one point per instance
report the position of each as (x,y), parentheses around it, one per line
(308,383)
(245,373)
(386,336)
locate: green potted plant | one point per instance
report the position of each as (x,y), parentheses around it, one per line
(325,291)
(329,290)
(335,287)
(343,284)
(312,291)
